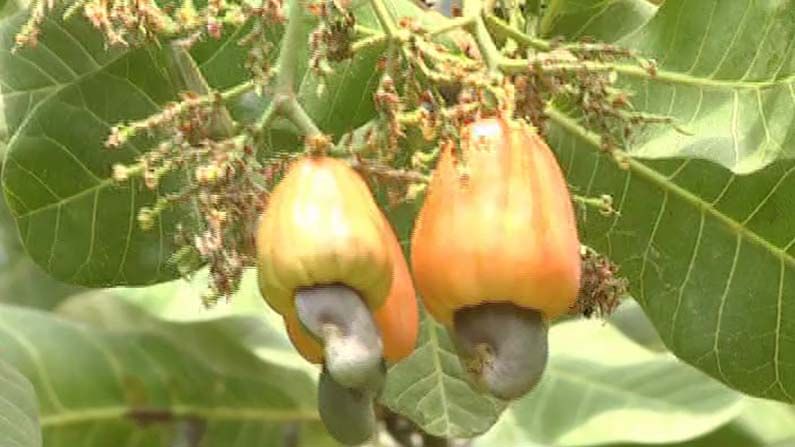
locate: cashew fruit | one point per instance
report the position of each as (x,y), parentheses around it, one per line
(397,319)
(497,226)
(347,414)
(330,264)
(322,226)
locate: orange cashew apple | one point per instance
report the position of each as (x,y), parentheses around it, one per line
(330,264)
(495,252)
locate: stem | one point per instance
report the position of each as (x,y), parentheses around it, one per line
(499,26)
(487,47)
(284,102)
(515,66)
(385,18)
(603,204)
(458,22)
(512,66)
(572,126)
(374,38)
(490,52)
(365,30)
(237,90)
(292,110)
(267,116)
(370,41)
(294,40)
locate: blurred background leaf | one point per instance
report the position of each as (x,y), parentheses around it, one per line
(19,412)
(129,377)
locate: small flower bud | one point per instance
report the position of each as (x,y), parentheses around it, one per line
(146,218)
(121,172)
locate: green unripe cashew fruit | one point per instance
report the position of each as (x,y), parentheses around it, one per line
(347,414)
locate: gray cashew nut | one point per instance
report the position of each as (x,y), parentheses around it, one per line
(502,346)
(353,350)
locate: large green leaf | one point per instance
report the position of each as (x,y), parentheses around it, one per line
(139,379)
(762,423)
(60,100)
(630,319)
(585,391)
(710,254)
(726,73)
(19,416)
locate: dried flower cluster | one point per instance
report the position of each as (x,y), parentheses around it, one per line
(259,41)
(579,75)
(134,22)
(601,288)
(332,39)
(221,177)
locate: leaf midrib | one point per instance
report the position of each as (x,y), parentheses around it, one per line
(116,412)
(687,79)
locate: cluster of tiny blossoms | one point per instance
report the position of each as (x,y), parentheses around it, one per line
(220,177)
(580,74)
(201,158)
(601,288)
(132,22)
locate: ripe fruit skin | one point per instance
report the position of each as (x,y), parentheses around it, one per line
(340,197)
(398,318)
(322,226)
(497,225)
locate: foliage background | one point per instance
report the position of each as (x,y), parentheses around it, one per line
(704,235)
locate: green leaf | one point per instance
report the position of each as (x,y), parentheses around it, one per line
(19,415)
(710,255)
(767,422)
(630,319)
(762,423)
(22,282)
(612,390)
(141,380)
(60,100)
(430,388)
(726,74)
(180,301)
(604,20)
